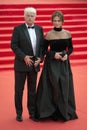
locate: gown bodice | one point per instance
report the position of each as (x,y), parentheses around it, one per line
(58,45)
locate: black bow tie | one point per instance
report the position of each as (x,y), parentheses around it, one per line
(31,27)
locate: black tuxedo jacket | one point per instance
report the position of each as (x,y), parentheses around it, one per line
(21,46)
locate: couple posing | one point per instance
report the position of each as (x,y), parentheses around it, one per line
(55,93)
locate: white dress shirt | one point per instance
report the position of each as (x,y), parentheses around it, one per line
(32,34)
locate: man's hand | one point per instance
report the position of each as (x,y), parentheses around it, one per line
(37,62)
(28,60)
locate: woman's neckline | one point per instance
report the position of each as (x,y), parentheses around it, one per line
(60,39)
(57,29)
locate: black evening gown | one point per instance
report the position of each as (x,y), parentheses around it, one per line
(55,88)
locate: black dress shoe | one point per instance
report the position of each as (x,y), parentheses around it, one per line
(19,118)
(34,118)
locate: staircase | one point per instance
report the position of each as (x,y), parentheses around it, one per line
(75,21)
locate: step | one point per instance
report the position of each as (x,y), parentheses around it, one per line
(41,17)
(4,46)
(80,49)
(78,62)
(6,67)
(6,52)
(44,9)
(74,34)
(75,28)
(9,59)
(43,23)
(6,60)
(49,12)
(78,55)
(6,30)
(65,5)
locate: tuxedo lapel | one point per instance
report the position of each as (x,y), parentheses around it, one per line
(37,38)
(27,34)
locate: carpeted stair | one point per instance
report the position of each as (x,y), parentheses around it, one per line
(75,21)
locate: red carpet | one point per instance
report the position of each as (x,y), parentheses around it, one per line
(75,21)
(7,111)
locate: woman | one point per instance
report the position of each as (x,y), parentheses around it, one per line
(55,93)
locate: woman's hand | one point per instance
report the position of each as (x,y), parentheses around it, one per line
(37,62)
(64,57)
(57,56)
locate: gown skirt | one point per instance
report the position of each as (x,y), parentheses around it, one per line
(55,90)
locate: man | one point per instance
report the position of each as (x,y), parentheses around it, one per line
(26,43)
